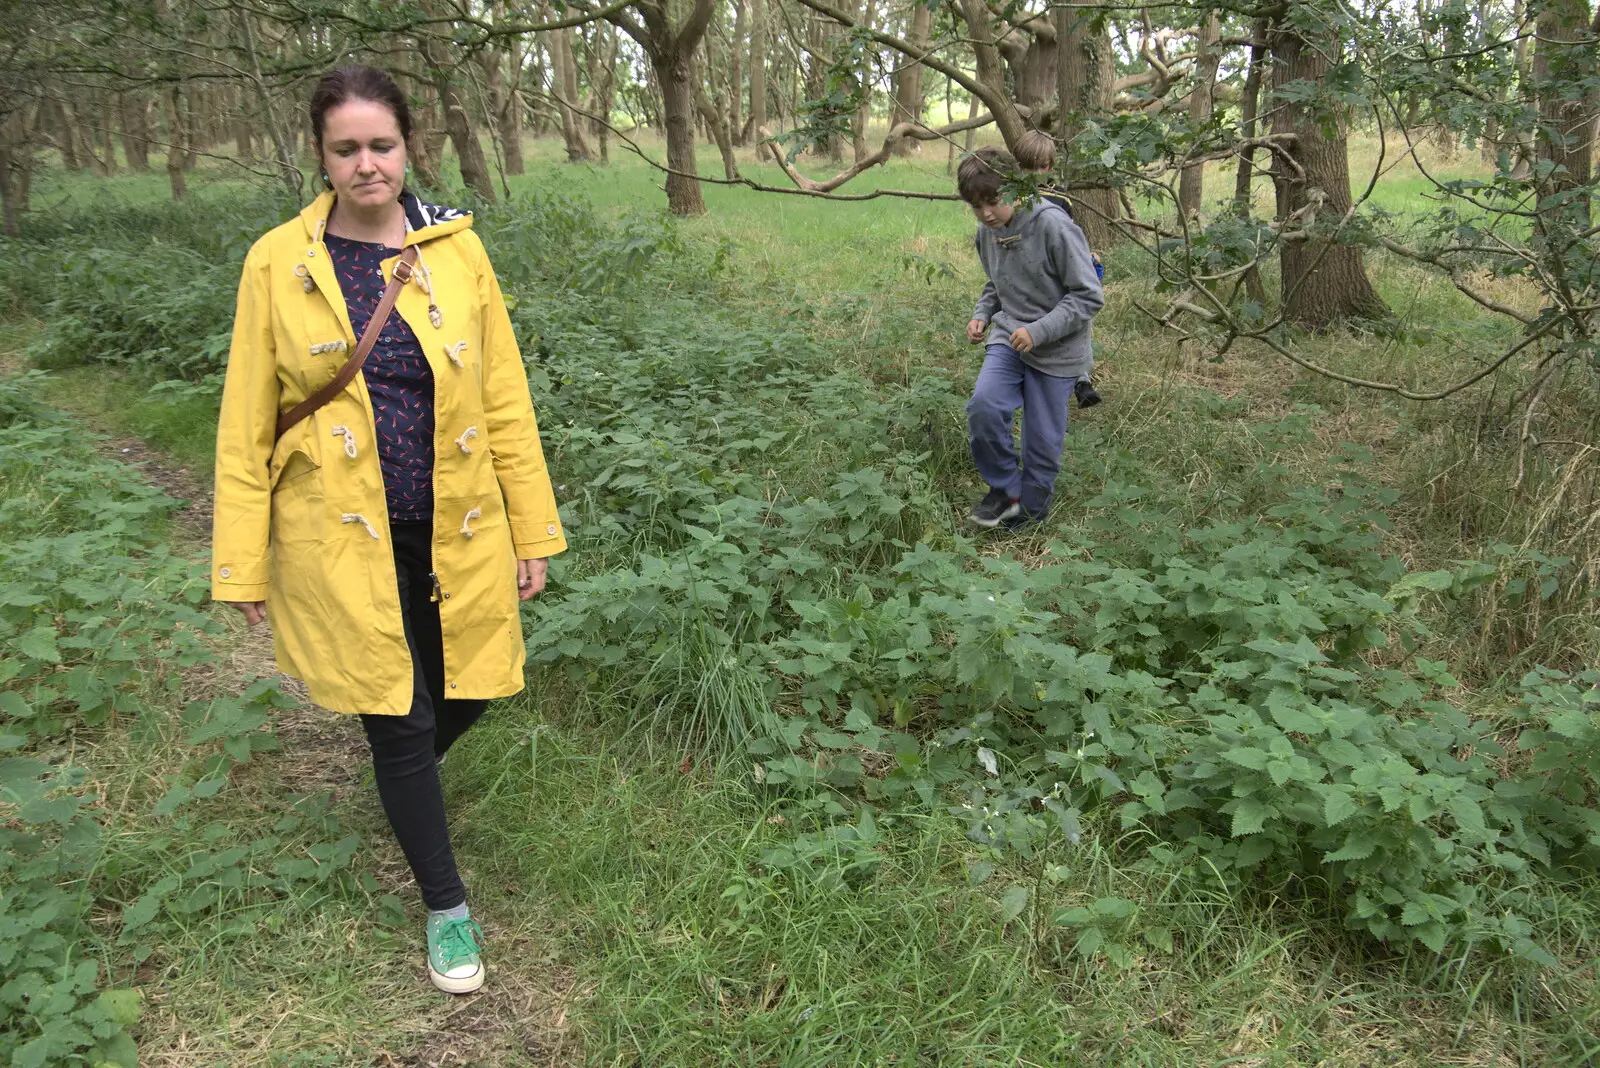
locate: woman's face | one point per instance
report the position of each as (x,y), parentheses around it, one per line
(363,153)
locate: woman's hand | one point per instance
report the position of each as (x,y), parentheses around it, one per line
(254,611)
(530,578)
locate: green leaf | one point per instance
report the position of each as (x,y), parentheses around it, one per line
(1012,902)
(1337,805)
(1434,935)
(1288,710)
(1356,847)
(1249,815)
(1113,908)
(12,704)
(834,740)
(40,643)
(34,1054)
(120,1006)
(1254,759)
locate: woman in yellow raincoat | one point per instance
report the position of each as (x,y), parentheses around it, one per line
(392,531)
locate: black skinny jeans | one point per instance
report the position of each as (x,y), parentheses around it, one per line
(405,749)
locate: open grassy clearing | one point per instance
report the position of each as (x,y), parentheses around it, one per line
(640,906)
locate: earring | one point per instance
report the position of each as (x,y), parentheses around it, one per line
(326,180)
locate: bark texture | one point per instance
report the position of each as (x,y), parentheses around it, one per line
(458,122)
(908,83)
(1564,58)
(176,138)
(1323,282)
(1084,84)
(1191,182)
(758,67)
(670,49)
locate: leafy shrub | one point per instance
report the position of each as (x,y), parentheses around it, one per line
(97,617)
(773,573)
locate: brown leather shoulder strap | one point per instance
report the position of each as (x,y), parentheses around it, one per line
(369,338)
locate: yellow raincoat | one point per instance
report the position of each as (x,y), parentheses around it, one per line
(303,524)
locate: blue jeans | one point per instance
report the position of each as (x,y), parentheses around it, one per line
(1004,385)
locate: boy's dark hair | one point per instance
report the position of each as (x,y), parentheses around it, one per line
(1036,151)
(983,174)
(358,83)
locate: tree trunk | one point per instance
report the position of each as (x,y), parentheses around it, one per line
(605,92)
(1191,183)
(741,30)
(505,90)
(191,134)
(816,82)
(136,131)
(244,140)
(108,145)
(566,69)
(1084,85)
(950,116)
(1249,104)
(458,123)
(971,140)
(717,123)
(676,75)
(1323,282)
(66,143)
(1524,139)
(758,68)
(1562,59)
(175,143)
(991,71)
(907,105)
(13,152)
(863,116)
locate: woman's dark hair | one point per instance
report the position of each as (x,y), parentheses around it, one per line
(358,83)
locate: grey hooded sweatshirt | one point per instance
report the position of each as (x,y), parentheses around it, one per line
(1041,276)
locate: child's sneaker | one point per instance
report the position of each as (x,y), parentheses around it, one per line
(454,963)
(996,507)
(1084,390)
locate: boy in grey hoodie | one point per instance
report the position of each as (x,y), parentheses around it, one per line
(1035,310)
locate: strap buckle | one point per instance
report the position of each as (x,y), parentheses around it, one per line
(402,272)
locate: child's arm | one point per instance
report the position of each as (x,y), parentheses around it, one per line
(1073,265)
(988,303)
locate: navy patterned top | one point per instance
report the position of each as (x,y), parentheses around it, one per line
(398,379)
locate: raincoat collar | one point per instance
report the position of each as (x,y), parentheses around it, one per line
(424,221)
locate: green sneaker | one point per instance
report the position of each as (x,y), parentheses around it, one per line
(453,961)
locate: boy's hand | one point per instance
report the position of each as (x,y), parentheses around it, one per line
(1021,340)
(976,329)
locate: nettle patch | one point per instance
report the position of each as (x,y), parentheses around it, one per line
(776,575)
(97,620)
